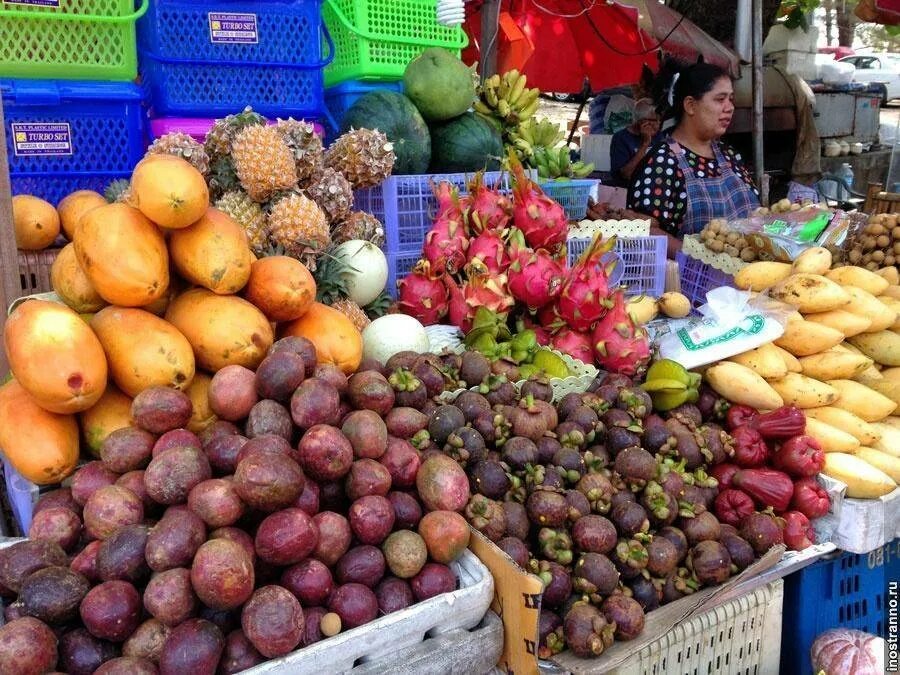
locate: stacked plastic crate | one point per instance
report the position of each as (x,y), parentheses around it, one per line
(203,61)
(73,117)
(374,41)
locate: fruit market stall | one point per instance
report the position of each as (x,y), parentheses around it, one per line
(346,380)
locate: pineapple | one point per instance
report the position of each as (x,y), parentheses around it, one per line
(353,312)
(305,145)
(249,215)
(220,136)
(332,192)
(299,226)
(181,145)
(359,225)
(222,178)
(364,156)
(118,191)
(263,162)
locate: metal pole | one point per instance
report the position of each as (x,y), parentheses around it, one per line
(10,284)
(490,34)
(757,125)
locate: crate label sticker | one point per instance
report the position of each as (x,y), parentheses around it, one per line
(37,139)
(35,3)
(232,28)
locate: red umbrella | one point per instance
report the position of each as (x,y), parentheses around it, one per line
(603,43)
(601,40)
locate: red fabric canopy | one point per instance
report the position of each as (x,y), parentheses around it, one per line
(603,44)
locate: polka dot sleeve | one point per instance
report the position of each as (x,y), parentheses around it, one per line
(657,189)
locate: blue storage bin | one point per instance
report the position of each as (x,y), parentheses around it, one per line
(339,99)
(572,195)
(849,591)
(63,136)
(215,58)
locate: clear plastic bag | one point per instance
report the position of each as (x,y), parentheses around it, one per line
(731,322)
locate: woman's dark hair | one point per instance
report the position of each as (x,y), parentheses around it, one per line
(693,80)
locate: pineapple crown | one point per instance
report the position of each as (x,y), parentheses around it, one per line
(218,140)
(114,191)
(331,277)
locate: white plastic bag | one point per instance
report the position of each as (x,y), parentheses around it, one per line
(730,324)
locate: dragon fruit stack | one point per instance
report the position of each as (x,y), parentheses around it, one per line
(509,255)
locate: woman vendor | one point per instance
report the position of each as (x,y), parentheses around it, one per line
(691,177)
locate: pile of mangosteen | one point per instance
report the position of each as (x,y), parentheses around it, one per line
(607,502)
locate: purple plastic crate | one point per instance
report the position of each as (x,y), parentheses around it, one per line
(399,265)
(641,265)
(406,205)
(195,127)
(698,278)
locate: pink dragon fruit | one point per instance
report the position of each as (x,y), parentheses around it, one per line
(457,310)
(584,298)
(482,289)
(535,278)
(423,295)
(548,317)
(619,345)
(542,220)
(489,248)
(446,243)
(575,344)
(487,209)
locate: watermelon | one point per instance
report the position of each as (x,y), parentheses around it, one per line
(396,116)
(467,143)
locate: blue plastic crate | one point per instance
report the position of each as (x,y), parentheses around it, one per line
(641,265)
(698,278)
(406,205)
(572,195)
(64,136)
(339,99)
(214,58)
(849,591)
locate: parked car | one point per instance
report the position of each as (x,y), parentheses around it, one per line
(881,69)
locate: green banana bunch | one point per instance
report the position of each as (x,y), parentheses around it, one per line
(507,99)
(555,164)
(541,132)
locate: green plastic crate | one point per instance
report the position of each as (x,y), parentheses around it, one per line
(69,39)
(376,39)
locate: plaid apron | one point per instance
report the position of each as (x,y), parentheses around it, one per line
(725,196)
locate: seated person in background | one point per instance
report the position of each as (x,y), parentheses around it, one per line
(629,145)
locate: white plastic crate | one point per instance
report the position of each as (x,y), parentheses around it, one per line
(464,608)
(640,263)
(740,636)
(400,633)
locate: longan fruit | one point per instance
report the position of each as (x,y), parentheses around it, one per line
(888,260)
(867,242)
(748,254)
(732,238)
(717,246)
(897,248)
(883,241)
(732,250)
(872,266)
(877,256)
(855,256)
(895,233)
